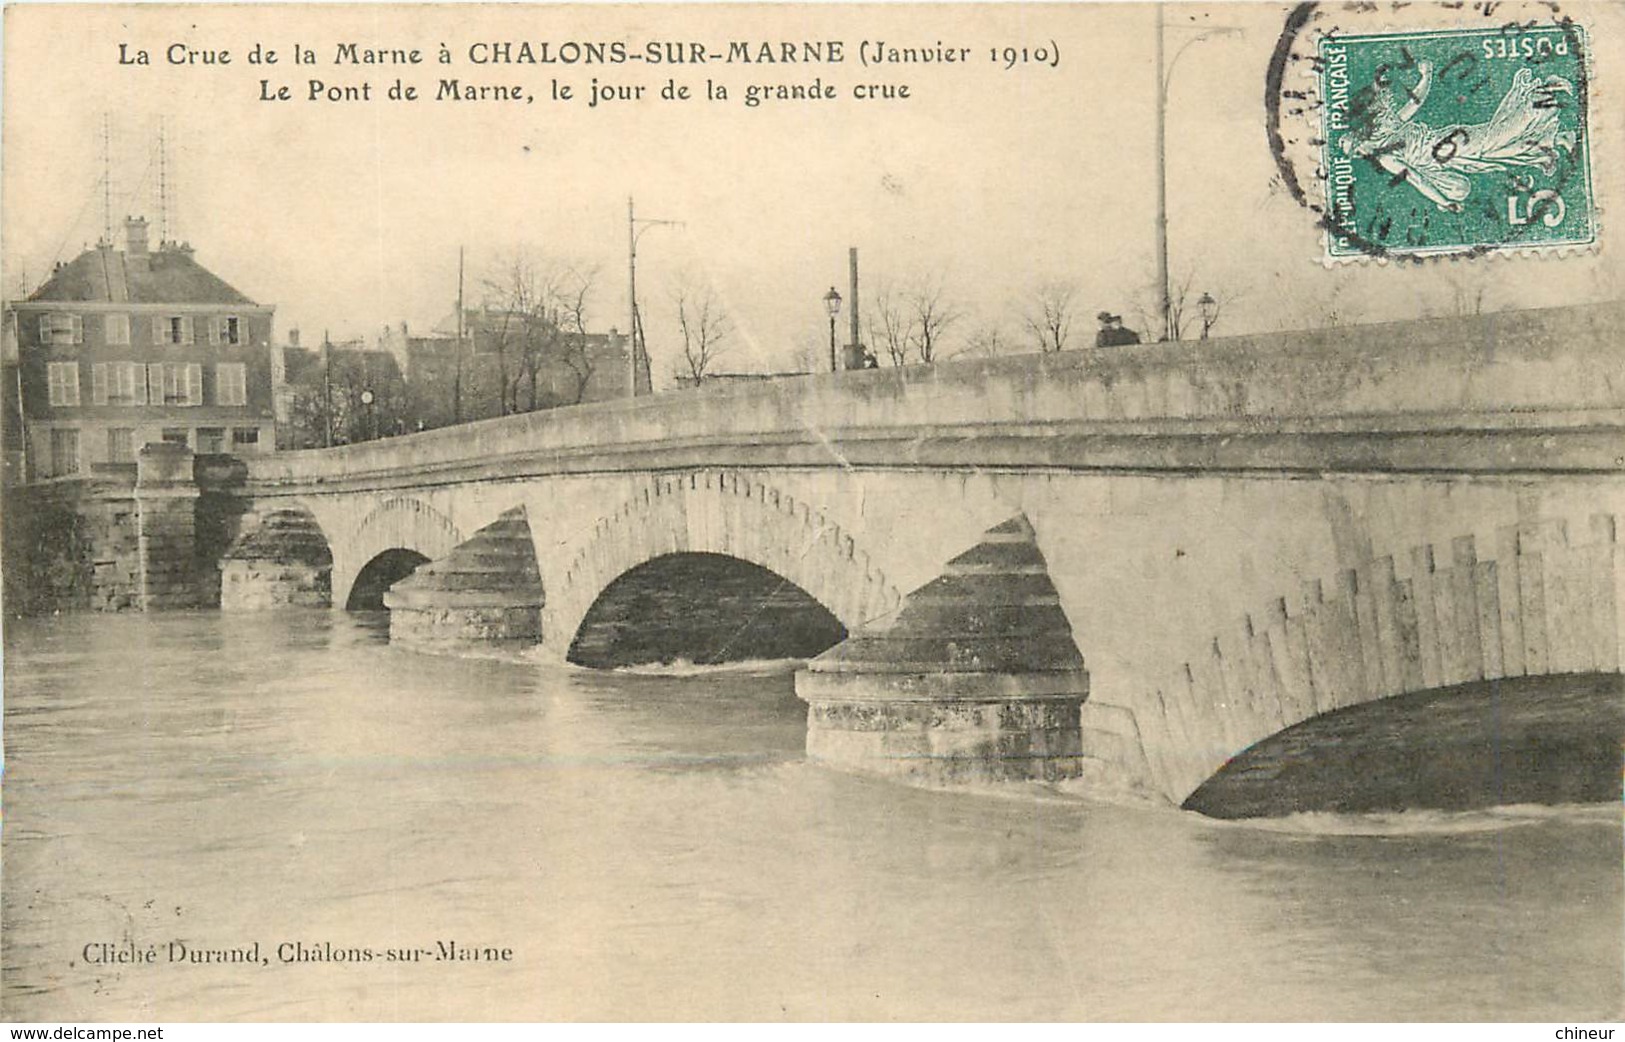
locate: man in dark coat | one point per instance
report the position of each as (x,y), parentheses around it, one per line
(1112,333)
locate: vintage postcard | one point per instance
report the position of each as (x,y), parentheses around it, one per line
(813,512)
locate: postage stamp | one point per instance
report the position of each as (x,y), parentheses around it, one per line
(1455,141)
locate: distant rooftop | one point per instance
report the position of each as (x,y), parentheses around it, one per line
(136,275)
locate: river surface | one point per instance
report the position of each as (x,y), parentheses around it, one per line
(656,847)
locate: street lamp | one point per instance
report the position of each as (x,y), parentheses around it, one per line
(832,302)
(1210,312)
(372,420)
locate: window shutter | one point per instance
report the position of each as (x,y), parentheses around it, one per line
(77,324)
(160,329)
(45,328)
(214,330)
(98,383)
(186,329)
(138,383)
(70,377)
(155,384)
(230,383)
(194,383)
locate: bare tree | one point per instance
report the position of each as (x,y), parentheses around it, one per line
(569,309)
(1181,303)
(890,321)
(510,296)
(812,354)
(987,340)
(931,313)
(704,326)
(535,316)
(1049,315)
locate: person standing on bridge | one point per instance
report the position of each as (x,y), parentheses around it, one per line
(1112,333)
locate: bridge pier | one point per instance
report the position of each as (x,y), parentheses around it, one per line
(284,561)
(976,677)
(487,589)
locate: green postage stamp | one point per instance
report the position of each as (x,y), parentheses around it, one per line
(1456,141)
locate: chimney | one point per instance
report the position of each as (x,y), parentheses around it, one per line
(293,337)
(135,236)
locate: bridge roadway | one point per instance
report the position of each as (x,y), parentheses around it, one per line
(1243,533)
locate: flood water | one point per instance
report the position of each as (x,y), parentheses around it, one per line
(656,847)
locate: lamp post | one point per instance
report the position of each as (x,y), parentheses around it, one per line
(832,302)
(372,420)
(1164,76)
(1210,312)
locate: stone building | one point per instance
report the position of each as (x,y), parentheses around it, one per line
(120,348)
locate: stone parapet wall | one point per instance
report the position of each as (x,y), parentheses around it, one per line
(1413,396)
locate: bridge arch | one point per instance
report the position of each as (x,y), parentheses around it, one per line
(398,523)
(1548,602)
(718,512)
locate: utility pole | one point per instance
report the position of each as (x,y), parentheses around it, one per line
(457,371)
(163,182)
(857,344)
(1164,72)
(632,298)
(1165,294)
(327,391)
(635,325)
(107,178)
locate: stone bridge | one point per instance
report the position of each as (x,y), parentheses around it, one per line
(1207,545)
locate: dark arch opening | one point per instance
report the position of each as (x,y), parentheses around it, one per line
(705,609)
(380,573)
(1546,739)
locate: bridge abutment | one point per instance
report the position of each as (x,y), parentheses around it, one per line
(976,677)
(487,589)
(166,495)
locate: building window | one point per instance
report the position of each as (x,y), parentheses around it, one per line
(128,383)
(64,451)
(211,440)
(172,329)
(116,329)
(245,438)
(63,381)
(120,445)
(118,383)
(57,327)
(231,384)
(226,329)
(175,436)
(175,383)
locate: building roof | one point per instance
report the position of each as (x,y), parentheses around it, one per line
(168,275)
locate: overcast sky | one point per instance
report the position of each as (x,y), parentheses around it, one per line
(348,217)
